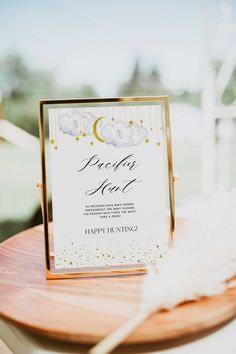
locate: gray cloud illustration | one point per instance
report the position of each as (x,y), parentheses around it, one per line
(120,134)
(70,123)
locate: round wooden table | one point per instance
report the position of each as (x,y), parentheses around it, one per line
(86,310)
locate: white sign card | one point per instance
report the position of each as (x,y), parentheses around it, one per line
(109,182)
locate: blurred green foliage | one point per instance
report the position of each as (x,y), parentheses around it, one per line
(22,88)
(150,83)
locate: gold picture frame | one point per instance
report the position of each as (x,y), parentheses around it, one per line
(51,273)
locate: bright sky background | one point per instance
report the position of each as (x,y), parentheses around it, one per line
(97,41)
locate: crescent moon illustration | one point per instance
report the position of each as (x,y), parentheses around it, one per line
(95,133)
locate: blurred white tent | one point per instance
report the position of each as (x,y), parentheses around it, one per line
(185,123)
(17,136)
(216,165)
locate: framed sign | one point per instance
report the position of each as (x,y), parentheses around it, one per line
(108,166)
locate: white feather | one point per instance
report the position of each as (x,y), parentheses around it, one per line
(201,264)
(202,259)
